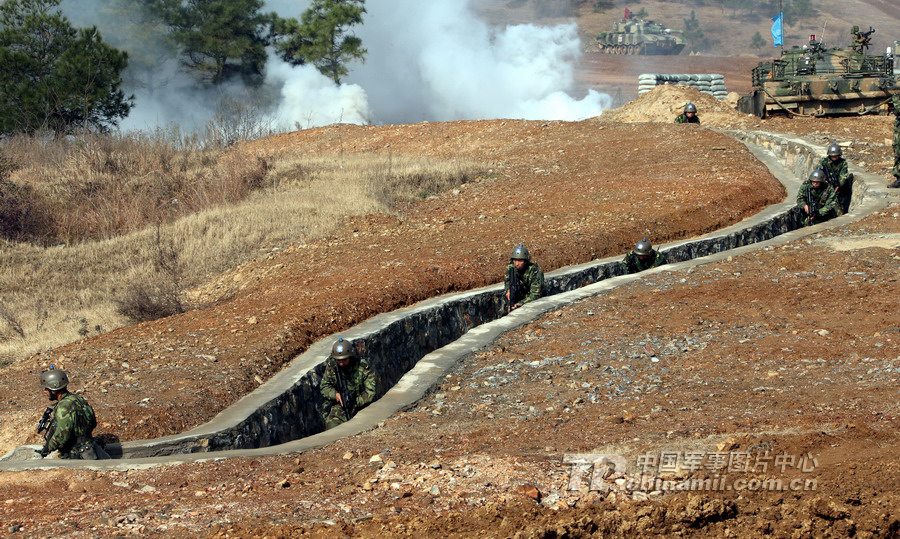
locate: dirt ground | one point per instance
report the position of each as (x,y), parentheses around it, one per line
(572,191)
(805,364)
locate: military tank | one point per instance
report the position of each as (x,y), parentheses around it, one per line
(632,35)
(815,80)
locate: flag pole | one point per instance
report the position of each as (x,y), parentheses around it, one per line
(781,6)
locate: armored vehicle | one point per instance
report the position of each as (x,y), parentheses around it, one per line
(632,35)
(815,80)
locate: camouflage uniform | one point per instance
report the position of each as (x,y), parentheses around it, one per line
(359,381)
(634,264)
(826,200)
(896,170)
(531,283)
(838,170)
(71,429)
(683,119)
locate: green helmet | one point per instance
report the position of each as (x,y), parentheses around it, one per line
(54,379)
(834,150)
(643,247)
(520,253)
(690,107)
(342,349)
(817,175)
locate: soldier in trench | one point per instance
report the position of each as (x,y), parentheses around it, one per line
(689,115)
(817,199)
(68,424)
(348,384)
(643,257)
(835,167)
(896,170)
(524,280)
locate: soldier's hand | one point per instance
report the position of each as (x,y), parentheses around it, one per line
(516,306)
(507,295)
(337,397)
(806,208)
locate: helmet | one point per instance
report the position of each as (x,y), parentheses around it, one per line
(520,253)
(817,175)
(643,247)
(54,379)
(342,349)
(834,150)
(690,107)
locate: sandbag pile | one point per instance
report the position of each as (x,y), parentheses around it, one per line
(708,83)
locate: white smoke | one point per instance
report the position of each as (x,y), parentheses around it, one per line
(310,99)
(447,64)
(427,60)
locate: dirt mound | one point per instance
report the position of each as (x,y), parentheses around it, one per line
(664,103)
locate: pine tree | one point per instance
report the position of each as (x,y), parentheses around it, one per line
(219,39)
(54,76)
(322,38)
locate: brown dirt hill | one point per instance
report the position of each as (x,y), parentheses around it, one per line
(664,103)
(550,187)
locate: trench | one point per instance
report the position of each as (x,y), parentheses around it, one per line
(410,349)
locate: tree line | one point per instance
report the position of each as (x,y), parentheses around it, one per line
(56,77)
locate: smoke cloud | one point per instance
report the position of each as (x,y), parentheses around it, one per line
(433,60)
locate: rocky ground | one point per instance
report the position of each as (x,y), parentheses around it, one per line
(801,361)
(788,351)
(572,191)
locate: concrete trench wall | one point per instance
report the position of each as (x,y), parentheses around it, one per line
(287,407)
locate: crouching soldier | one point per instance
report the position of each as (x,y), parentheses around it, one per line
(348,384)
(689,116)
(69,423)
(643,257)
(524,280)
(839,177)
(816,199)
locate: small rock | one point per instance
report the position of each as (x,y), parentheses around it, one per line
(375,459)
(252,320)
(531,491)
(435,465)
(823,332)
(367,486)
(727,445)
(435,491)
(284,484)
(146,489)
(199,494)
(15,528)
(348,455)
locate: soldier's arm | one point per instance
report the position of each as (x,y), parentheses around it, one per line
(506,278)
(537,285)
(327,385)
(801,196)
(844,173)
(64,428)
(829,204)
(367,388)
(679,119)
(628,262)
(660,259)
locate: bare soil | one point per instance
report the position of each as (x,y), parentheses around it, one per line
(801,360)
(572,191)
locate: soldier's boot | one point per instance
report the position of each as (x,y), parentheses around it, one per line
(895,184)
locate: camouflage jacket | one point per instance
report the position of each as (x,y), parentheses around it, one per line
(635,265)
(683,119)
(72,425)
(531,283)
(359,380)
(837,170)
(825,198)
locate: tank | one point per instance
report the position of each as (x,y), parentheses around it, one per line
(632,35)
(814,80)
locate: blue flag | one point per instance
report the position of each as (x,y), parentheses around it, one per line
(778,29)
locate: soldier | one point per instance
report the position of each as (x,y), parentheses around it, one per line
(816,199)
(896,170)
(835,167)
(524,279)
(689,116)
(71,421)
(643,257)
(348,384)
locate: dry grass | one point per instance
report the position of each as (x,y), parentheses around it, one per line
(58,294)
